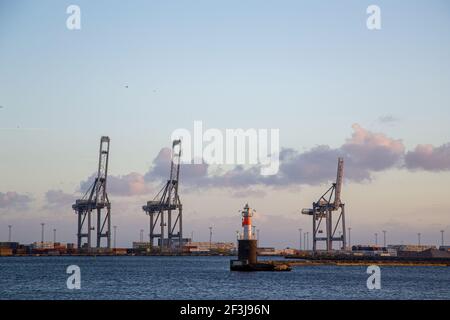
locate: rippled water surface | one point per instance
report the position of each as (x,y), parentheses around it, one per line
(208,278)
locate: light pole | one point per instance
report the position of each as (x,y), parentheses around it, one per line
(307,241)
(418,238)
(376,239)
(9,233)
(42,232)
(300,239)
(115,233)
(349,238)
(442,238)
(54,236)
(142,236)
(384,238)
(304,241)
(210,238)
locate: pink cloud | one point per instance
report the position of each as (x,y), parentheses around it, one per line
(428,157)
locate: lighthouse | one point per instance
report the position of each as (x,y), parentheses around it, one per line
(247,215)
(247,254)
(247,244)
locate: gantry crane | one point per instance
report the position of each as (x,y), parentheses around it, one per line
(167,201)
(324,208)
(95,199)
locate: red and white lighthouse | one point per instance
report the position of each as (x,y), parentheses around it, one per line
(247,214)
(247,249)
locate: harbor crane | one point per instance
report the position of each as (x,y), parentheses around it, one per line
(322,212)
(95,200)
(166,203)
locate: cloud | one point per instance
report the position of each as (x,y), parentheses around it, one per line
(128,185)
(365,152)
(131,184)
(14,200)
(191,173)
(427,157)
(160,168)
(387,119)
(58,199)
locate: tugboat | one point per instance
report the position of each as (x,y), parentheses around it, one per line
(247,250)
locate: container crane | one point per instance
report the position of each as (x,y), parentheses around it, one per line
(323,209)
(95,199)
(167,202)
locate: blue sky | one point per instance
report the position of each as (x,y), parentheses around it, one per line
(310,68)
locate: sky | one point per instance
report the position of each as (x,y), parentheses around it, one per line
(138,71)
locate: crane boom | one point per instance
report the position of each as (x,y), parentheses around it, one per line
(100,192)
(339,178)
(174,171)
